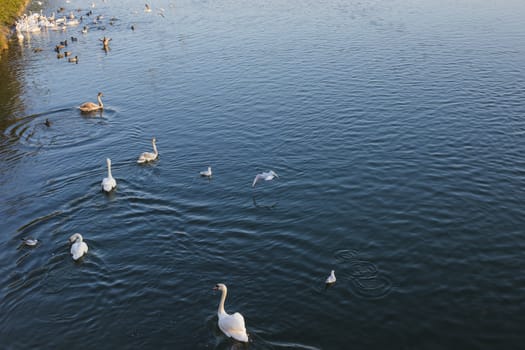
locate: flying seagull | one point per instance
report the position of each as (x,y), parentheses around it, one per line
(267,176)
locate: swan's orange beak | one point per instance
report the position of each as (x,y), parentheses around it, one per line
(216,288)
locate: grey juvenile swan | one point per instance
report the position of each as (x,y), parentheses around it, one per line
(90,106)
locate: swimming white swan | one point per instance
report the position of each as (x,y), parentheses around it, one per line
(109,183)
(148,156)
(73,22)
(267,176)
(206,173)
(90,106)
(231,325)
(79,247)
(331,279)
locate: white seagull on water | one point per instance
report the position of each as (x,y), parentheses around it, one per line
(206,173)
(267,176)
(30,242)
(331,279)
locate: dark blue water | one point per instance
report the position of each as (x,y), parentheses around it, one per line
(397,130)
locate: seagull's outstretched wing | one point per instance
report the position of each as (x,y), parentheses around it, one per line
(257,178)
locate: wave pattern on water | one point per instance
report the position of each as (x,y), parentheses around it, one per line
(396,130)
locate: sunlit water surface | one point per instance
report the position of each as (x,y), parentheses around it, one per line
(397,129)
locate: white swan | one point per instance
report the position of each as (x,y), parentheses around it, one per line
(79,247)
(231,325)
(73,22)
(148,156)
(267,176)
(331,279)
(90,106)
(109,183)
(206,173)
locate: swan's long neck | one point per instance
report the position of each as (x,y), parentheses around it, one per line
(100,101)
(221,303)
(155,148)
(77,237)
(109,169)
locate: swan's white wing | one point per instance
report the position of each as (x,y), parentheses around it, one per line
(233,326)
(269,175)
(257,178)
(78,249)
(142,158)
(108,184)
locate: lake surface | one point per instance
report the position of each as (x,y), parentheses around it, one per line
(397,129)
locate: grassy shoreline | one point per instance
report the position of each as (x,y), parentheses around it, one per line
(11,9)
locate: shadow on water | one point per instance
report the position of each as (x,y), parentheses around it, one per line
(10,88)
(261,205)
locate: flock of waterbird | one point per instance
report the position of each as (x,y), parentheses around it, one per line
(232,325)
(38,22)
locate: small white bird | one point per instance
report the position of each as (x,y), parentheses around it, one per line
(30,242)
(147,8)
(331,279)
(148,156)
(267,176)
(79,247)
(206,173)
(231,325)
(109,183)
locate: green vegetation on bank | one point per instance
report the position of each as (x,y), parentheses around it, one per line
(9,11)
